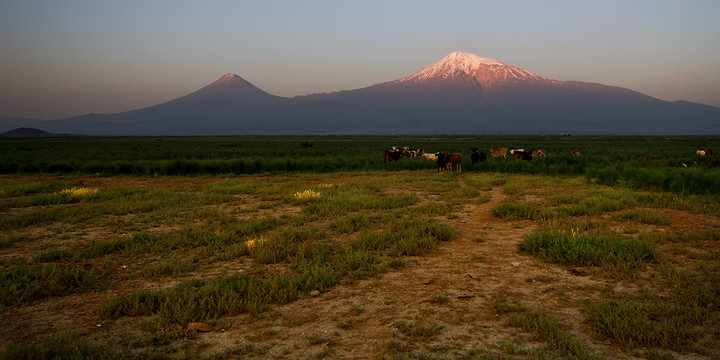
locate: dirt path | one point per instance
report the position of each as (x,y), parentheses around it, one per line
(357,321)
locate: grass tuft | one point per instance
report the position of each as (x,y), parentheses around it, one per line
(23,284)
(575,249)
(642,216)
(546,329)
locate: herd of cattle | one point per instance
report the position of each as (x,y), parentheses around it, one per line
(447,161)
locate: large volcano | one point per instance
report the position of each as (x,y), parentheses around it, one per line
(461,94)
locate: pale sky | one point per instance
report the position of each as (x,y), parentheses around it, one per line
(61,58)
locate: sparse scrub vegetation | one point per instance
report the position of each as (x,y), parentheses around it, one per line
(546,329)
(438,299)
(576,249)
(642,216)
(647,320)
(519,211)
(269,240)
(22,283)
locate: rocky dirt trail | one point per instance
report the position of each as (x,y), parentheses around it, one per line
(358,321)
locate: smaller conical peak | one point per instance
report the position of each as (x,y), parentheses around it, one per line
(231,85)
(229,76)
(229,79)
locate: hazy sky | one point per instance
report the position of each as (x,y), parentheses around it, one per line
(60,58)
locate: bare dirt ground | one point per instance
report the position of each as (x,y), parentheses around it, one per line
(358,321)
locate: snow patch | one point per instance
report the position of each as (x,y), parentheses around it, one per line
(487,71)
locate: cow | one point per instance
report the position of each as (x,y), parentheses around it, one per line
(497,152)
(477,156)
(540,152)
(429,156)
(441,161)
(575,152)
(702,151)
(455,159)
(392,154)
(522,155)
(512,152)
(446,161)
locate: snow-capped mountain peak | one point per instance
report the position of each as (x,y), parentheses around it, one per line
(487,71)
(463,61)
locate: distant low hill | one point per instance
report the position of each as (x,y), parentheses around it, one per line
(462,94)
(32,132)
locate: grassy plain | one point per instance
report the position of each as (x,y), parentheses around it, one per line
(660,163)
(314,248)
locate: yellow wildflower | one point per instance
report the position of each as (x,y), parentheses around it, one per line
(79,191)
(307,194)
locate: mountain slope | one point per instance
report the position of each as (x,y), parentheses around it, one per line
(468,94)
(218,108)
(460,94)
(26,132)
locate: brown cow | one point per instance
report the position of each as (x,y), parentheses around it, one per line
(701,150)
(448,160)
(454,159)
(540,152)
(392,154)
(522,155)
(575,152)
(497,152)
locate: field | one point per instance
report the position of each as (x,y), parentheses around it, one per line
(315,248)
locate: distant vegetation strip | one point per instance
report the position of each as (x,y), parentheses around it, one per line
(657,163)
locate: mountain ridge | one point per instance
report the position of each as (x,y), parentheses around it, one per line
(462,93)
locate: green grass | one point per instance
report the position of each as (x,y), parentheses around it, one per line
(575,249)
(195,232)
(682,237)
(438,299)
(649,323)
(67,346)
(642,216)
(198,300)
(546,329)
(354,222)
(213,239)
(172,267)
(23,284)
(621,160)
(519,211)
(414,237)
(314,264)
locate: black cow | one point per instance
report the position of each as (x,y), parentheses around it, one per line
(477,156)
